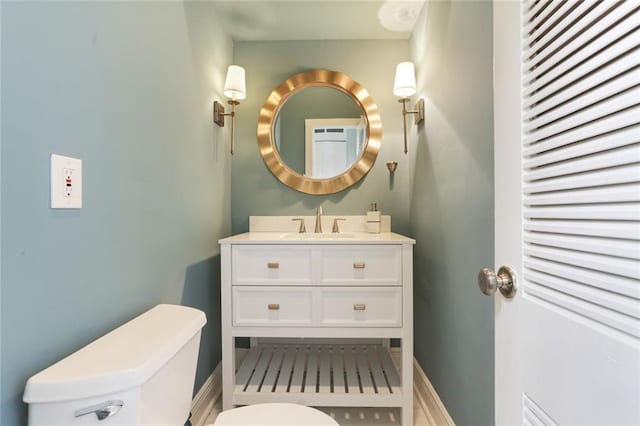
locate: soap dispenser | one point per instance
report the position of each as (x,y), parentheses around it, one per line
(373,219)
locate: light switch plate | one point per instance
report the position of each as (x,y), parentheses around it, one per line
(66,182)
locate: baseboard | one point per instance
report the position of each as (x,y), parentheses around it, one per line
(427,397)
(206,397)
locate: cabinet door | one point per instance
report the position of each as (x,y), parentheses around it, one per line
(361,265)
(271,265)
(361,307)
(272,306)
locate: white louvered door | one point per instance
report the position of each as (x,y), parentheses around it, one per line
(567,173)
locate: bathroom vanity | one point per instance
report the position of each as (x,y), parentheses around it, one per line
(319,310)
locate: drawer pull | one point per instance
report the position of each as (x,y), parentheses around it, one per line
(359,307)
(274,306)
(358,265)
(273,265)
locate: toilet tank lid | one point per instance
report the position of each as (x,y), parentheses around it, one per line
(124,358)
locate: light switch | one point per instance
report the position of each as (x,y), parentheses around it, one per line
(66,182)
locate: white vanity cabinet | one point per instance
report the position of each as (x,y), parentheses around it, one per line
(320,313)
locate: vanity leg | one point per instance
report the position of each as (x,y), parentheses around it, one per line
(407,382)
(228,374)
(228,341)
(407,336)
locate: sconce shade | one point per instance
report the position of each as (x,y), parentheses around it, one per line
(405,81)
(234,84)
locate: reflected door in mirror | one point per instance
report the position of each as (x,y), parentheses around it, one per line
(332,145)
(290,133)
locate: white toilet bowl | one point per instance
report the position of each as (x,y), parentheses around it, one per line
(274,414)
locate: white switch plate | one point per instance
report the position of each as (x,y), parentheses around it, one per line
(66,182)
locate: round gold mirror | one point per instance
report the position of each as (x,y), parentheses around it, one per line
(319,132)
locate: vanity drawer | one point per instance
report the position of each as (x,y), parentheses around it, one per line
(269,306)
(361,265)
(361,307)
(271,265)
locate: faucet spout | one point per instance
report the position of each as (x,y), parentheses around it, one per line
(318,229)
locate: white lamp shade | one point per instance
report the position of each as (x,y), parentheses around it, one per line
(234,84)
(405,82)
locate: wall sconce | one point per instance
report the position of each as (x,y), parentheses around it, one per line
(234,89)
(404,86)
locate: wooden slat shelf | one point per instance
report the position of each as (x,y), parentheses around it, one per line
(333,374)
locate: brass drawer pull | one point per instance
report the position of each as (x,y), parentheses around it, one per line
(273,265)
(358,265)
(274,306)
(359,307)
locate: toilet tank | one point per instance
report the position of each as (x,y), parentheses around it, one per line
(141,373)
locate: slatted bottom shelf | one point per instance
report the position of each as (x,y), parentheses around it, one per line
(346,375)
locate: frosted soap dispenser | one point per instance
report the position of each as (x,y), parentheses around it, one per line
(373,219)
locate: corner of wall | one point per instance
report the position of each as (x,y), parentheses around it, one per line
(130,86)
(451,213)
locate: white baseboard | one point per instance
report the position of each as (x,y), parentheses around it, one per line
(206,397)
(427,397)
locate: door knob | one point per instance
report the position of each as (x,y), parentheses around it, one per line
(504,280)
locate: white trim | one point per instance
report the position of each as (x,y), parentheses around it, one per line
(203,402)
(426,395)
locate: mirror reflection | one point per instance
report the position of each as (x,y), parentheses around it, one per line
(320,132)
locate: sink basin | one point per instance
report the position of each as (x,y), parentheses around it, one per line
(311,236)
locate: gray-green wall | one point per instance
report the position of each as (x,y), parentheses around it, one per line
(452,205)
(128,88)
(255,191)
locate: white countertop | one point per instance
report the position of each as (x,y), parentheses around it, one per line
(311,238)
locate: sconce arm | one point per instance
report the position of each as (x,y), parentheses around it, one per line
(419,111)
(219,115)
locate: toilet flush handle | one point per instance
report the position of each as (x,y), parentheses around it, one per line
(103,410)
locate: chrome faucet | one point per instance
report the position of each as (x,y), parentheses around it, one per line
(318,229)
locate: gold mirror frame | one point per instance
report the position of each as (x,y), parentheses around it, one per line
(269,114)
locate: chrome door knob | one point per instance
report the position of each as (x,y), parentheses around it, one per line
(504,280)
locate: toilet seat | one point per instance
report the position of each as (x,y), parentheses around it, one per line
(274,414)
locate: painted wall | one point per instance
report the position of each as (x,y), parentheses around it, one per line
(128,88)
(452,205)
(255,191)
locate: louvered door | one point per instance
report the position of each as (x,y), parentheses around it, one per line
(567,151)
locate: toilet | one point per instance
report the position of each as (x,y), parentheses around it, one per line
(141,373)
(274,414)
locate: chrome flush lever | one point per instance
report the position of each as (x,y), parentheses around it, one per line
(103,410)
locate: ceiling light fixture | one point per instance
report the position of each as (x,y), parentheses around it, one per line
(399,15)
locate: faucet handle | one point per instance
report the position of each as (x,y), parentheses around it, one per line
(335,229)
(303,228)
